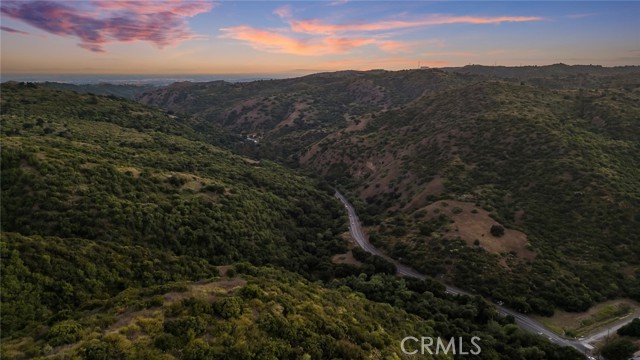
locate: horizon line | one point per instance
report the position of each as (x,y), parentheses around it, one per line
(296,70)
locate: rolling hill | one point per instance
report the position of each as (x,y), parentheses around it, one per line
(292,114)
(107,169)
(558,169)
(126,235)
(440,156)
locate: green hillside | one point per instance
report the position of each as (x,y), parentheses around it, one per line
(289,115)
(127,302)
(124,91)
(127,235)
(549,152)
(558,168)
(558,76)
(104,169)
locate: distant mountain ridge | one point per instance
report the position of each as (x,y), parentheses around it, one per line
(543,70)
(560,76)
(128,91)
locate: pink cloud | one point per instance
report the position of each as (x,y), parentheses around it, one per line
(162,23)
(179,7)
(326,38)
(316,26)
(278,43)
(393,46)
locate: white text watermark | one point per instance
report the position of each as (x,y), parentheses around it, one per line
(411,345)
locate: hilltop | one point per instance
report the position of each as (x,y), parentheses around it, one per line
(292,114)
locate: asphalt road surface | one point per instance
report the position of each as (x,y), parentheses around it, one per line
(525,322)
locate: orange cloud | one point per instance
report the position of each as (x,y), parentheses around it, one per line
(393,47)
(275,42)
(316,26)
(337,38)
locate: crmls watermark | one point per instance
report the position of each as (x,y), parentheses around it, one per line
(429,345)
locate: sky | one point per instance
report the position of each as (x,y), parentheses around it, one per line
(261,37)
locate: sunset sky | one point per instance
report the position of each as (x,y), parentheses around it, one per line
(203,37)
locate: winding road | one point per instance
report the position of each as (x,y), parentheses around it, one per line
(525,322)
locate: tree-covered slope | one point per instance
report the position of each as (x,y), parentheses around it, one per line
(112,170)
(550,152)
(559,168)
(88,299)
(285,116)
(46,279)
(558,76)
(116,218)
(128,91)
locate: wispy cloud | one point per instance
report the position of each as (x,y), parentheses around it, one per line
(271,41)
(185,8)
(337,2)
(13,31)
(394,46)
(284,12)
(319,37)
(160,22)
(316,26)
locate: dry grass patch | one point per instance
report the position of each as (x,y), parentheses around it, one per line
(129,318)
(250,161)
(208,291)
(472,223)
(88,165)
(435,187)
(134,171)
(597,316)
(346,258)
(297,111)
(357,123)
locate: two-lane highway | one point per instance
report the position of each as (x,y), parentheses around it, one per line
(525,322)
